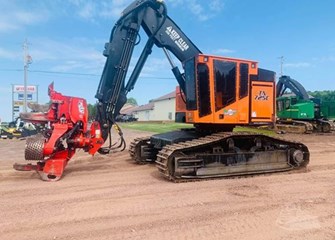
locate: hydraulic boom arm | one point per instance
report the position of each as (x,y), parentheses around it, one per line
(152,16)
(285,82)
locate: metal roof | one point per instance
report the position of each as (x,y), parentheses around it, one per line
(167,96)
(149,106)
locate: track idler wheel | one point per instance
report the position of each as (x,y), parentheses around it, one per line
(34,148)
(326,127)
(297,157)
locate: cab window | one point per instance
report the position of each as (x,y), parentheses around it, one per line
(225,83)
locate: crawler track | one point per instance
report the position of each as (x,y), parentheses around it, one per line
(141,151)
(228,155)
(295,126)
(223,154)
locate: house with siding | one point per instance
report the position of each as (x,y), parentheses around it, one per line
(144,112)
(159,109)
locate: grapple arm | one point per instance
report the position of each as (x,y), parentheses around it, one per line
(67,130)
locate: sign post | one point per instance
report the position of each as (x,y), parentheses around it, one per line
(20,97)
(26,60)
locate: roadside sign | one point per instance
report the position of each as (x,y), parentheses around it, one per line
(20,88)
(16,108)
(21,96)
(18,103)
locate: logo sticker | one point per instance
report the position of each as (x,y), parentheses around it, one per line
(174,35)
(262,96)
(81,108)
(229,112)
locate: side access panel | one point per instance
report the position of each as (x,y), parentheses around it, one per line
(262,102)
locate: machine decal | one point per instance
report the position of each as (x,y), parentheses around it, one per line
(262,96)
(174,35)
(229,112)
(81,107)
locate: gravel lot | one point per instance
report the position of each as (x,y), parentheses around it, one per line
(110,197)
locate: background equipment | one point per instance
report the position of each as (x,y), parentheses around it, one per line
(299,112)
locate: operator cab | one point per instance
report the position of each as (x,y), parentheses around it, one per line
(227,90)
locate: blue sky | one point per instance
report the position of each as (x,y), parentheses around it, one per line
(66,40)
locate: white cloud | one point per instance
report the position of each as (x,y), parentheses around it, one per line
(155,66)
(92,10)
(197,7)
(216,5)
(325,59)
(87,11)
(13,17)
(224,51)
(27,18)
(175,2)
(113,9)
(297,65)
(77,55)
(74,55)
(10,55)
(6,26)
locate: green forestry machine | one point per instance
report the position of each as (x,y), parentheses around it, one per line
(328,109)
(298,112)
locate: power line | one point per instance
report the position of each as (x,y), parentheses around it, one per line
(64,73)
(71,73)
(48,72)
(11,70)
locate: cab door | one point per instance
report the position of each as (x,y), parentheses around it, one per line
(262,102)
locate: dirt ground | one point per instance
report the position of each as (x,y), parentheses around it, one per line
(109,197)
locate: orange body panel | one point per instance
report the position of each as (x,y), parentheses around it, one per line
(180,100)
(262,102)
(254,107)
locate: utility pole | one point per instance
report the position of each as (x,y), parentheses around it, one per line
(281,65)
(13,102)
(26,61)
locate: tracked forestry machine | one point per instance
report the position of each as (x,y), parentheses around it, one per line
(219,92)
(298,112)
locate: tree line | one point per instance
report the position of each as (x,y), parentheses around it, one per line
(326,95)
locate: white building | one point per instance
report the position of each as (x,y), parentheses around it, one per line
(160,109)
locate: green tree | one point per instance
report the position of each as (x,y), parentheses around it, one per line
(132,101)
(326,95)
(92,110)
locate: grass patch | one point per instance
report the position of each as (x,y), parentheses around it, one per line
(156,127)
(255,130)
